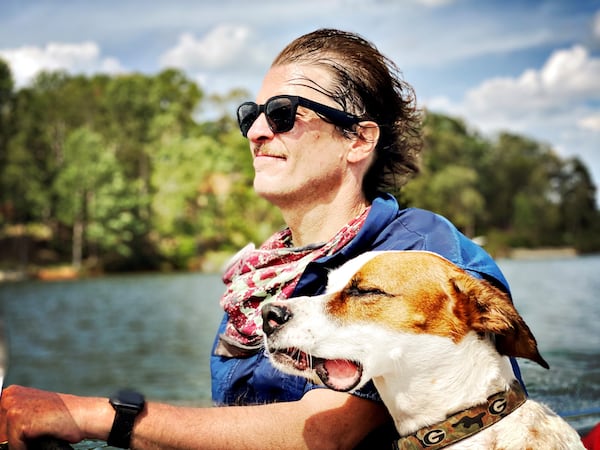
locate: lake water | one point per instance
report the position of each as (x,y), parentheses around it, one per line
(154,333)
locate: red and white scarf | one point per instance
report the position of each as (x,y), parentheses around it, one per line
(270,273)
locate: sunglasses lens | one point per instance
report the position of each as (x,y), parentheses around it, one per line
(247,113)
(281,114)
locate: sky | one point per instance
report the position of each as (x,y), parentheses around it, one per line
(527,67)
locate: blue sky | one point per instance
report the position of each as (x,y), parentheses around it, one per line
(529,67)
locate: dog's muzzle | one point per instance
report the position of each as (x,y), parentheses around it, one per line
(337,374)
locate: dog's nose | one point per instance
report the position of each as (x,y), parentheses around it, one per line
(274,315)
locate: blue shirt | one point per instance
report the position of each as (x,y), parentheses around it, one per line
(253,380)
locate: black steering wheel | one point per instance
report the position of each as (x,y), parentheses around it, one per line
(44,443)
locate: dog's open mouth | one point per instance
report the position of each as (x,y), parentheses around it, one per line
(337,374)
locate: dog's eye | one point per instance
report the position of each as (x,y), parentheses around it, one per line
(355,289)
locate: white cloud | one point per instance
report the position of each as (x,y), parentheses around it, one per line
(569,77)
(596,26)
(223,46)
(551,103)
(591,122)
(226,57)
(573,72)
(26,62)
(556,103)
(435,3)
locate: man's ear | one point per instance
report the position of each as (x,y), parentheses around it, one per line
(364,142)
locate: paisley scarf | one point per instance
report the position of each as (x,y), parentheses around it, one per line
(270,273)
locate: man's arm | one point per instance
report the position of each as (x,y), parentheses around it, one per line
(322,419)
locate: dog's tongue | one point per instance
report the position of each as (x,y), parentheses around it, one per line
(338,374)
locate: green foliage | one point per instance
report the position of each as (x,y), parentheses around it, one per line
(452,190)
(125,174)
(512,189)
(93,198)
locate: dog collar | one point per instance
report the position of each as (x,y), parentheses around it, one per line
(465,423)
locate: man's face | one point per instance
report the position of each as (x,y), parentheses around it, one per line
(307,163)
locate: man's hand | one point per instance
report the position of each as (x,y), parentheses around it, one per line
(27,414)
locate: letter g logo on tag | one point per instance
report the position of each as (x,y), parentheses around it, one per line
(498,406)
(434,437)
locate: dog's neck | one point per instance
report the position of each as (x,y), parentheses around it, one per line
(420,387)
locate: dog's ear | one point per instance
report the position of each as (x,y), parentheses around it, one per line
(490,310)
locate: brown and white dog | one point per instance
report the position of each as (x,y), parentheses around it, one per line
(435,341)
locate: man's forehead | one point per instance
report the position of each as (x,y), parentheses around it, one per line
(295,79)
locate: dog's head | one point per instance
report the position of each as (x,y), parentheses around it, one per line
(380,298)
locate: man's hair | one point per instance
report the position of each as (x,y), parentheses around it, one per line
(368,84)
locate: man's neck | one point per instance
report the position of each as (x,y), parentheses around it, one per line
(319,222)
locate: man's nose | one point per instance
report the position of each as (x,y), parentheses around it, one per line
(260,129)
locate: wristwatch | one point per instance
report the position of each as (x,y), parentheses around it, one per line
(127,404)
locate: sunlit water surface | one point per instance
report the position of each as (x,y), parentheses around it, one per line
(154,332)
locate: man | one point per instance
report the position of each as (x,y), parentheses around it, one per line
(333,127)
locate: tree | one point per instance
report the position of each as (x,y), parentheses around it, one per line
(513,165)
(448,141)
(453,193)
(25,171)
(125,170)
(6,105)
(93,197)
(579,214)
(449,183)
(6,100)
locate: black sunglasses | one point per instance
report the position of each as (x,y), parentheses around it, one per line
(280,112)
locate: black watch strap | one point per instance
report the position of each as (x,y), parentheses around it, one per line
(127,405)
(120,433)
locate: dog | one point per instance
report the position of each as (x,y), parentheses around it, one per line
(436,342)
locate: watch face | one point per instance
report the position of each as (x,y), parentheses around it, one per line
(128,399)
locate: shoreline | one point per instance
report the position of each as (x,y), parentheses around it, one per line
(67,272)
(542,253)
